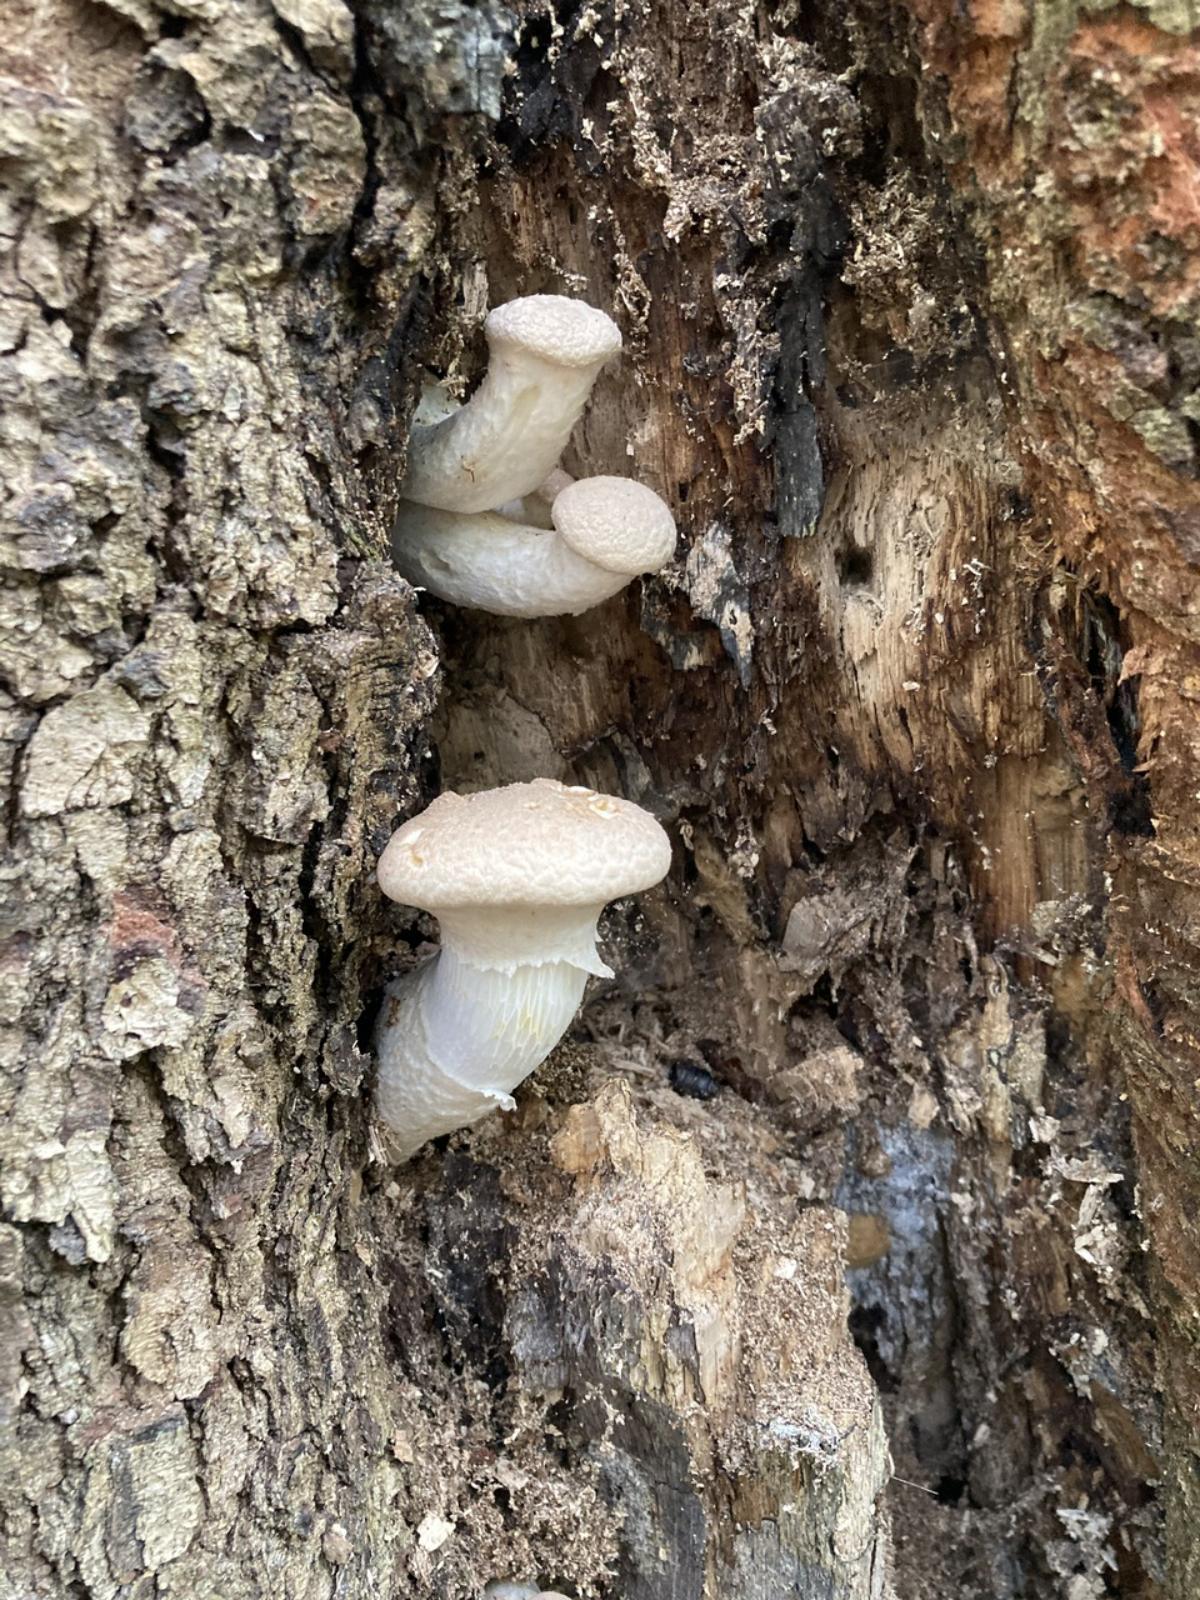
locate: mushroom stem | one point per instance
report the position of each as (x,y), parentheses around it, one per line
(534,508)
(545,353)
(490,563)
(457,1036)
(606,531)
(503,938)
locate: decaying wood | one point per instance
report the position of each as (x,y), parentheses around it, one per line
(677,1342)
(909,306)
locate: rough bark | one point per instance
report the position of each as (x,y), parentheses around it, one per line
(908,298)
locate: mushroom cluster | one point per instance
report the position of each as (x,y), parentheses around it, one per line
(517,878)
(487,519)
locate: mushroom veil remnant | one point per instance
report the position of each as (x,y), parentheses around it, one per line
(517,878)
(605,532)
(545,351)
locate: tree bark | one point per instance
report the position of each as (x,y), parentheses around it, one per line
(908,297)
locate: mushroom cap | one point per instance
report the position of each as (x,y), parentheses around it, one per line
(567,332)
(616,524)
(528,844)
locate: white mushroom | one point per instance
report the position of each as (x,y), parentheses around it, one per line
(534,507)
(504,1589)
(517,878)
(545,352)
(606,531)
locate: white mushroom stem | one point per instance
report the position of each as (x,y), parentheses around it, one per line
(457,1036)
(491,564)
(535,507)
(545,353)
(503,1589)
(606,531)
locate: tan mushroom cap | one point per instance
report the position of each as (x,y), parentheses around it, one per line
(528,844)
(616,524)
(554,328)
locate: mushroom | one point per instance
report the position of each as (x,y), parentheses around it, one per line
(504,1589)
(535,507)
(545,352)
(517,878)
(606,531)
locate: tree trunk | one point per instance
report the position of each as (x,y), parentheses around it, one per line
(909,304)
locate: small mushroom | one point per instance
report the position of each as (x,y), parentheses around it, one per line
(606,531)
(545,352)
(517,878)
